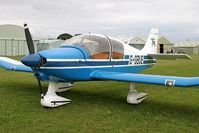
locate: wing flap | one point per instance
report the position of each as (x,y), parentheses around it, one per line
(147,79)
(13,65)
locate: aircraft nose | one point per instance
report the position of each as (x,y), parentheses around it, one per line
(33,60)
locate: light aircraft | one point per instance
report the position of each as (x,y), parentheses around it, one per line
(93,57)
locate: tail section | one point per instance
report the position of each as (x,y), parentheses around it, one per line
(151,43)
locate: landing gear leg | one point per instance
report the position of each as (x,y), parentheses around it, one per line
(135,97)
(51,99)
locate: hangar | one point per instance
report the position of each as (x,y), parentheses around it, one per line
(164,45)
(188,47)
(12,40)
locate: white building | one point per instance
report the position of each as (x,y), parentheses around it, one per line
(188,47)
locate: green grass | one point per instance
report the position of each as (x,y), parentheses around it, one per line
(101,106)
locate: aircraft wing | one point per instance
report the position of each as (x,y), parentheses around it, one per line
(13,65)
(147,79)
(170,56)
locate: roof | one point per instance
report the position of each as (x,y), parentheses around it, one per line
(9,31)
(137,40)
(187,44)
(163,40)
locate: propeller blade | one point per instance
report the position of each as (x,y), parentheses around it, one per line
(29,40)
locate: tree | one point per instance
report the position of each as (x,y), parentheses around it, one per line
(64,36)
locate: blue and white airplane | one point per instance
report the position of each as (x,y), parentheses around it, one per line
(93,57)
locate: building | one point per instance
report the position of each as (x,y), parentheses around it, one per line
(188,47)
(13,41)
(48,44)
(164,45)
(136,42)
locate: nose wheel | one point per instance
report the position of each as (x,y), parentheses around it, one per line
(51,99)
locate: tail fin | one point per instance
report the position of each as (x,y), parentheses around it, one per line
(151,43)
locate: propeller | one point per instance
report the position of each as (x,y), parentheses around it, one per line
(39,60)
(29,41)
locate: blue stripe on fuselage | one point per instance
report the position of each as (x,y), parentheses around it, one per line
(91,63)
(84,63)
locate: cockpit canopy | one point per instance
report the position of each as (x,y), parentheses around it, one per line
(98,46)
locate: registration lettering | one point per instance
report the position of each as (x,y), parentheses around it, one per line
(136,59)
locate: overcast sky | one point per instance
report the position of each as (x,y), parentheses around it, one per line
(178,19)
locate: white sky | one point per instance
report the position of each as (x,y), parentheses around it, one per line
(177,19)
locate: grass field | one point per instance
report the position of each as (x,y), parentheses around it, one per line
(101,106)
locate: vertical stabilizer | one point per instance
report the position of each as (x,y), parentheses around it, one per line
(151,43)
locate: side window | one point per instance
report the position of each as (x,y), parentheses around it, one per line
(118,49)
(97,46)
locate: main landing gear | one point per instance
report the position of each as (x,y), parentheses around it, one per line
(135,97)
(51,99)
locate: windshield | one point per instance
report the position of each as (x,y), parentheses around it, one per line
(97,45)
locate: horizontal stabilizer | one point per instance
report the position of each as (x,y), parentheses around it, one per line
(147,79)
(13,65)
(170,56)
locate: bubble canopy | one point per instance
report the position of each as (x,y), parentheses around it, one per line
(98,46)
